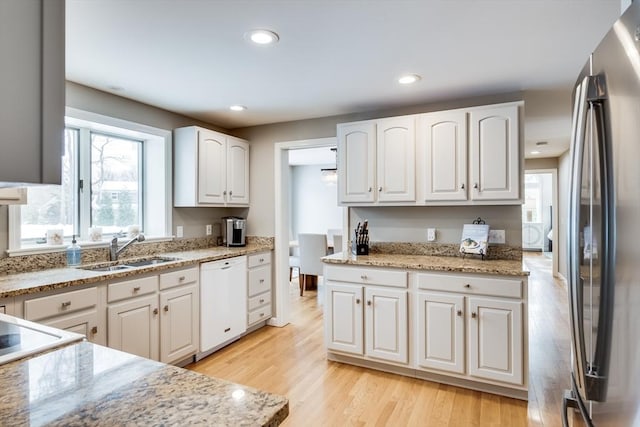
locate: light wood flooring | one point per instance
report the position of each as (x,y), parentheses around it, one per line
(291,361)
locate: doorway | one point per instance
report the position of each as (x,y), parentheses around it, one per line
(283,224)
(540,216)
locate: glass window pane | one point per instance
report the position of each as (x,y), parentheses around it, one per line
(52,206)
(115,182)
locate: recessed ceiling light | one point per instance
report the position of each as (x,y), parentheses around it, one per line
(262,37)
(535,152)
(237,108)
(407,79)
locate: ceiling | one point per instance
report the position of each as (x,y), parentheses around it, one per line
(334,56)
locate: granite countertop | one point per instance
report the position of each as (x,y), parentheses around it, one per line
(90,385)
(58,278)
(431,263)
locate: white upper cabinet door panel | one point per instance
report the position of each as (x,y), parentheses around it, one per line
(211,167)
(237,171)
(443,139)
(495,162)
(396,164)
(356,162)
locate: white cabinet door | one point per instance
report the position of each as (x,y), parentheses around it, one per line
(237,171)
(179,323)
(386,324)
(133,326)
(441,341)
(83,323)
(343,318)
(443,156)
(495,340)
(396,159)
(211,167)
(356,162)
(223,301)
(32,84)
(494,153)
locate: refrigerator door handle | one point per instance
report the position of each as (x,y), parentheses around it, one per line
(574,281)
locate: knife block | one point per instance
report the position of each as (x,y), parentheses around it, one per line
(362,249)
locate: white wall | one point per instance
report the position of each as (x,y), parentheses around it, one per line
(314,203)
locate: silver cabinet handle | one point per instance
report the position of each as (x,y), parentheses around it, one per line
(475,185)
(473,314)
(261,259)
(368,302)
(363,277)
(66,304)
(261,300)
(261,314)
(136,289)
(369,189)
(155,311)
(166,308)
(224,193)
(181,278)
(462,187)
(459,312)
(466,285)
(379,189)
(94,330)
(227,329)
(231,192)
(261,280)
(357,300)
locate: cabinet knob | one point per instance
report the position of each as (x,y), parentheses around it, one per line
(231,193)
(166,308)
(261,314)
(357,300)
(466,285)
(66,304)
(370,189)
(459,313)
(368,302)
(227,329)
(379,189)
(155,311)
(462,187)
(136,289)
(181,278)
(473,314)
(363,277)
(261,259)
(224,193)
(261,300)
(475,185)
(94,330)
(261,280)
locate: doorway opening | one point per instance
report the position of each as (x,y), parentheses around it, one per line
(540,216)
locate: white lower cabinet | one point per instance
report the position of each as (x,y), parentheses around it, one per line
(134,326)
(362,317)
(258,288)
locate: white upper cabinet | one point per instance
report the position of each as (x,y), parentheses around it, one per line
(443,155)
(356,162)
(396,164)
(32,84)
(495,153)
(210,168)
(376,161)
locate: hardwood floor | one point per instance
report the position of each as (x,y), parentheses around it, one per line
(291,361)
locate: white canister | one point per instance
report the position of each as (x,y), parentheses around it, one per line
(55,236)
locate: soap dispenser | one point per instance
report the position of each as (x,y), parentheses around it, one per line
(73,253)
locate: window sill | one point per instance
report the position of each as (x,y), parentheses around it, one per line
(45,249)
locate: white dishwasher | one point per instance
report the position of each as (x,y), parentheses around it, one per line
(223,303)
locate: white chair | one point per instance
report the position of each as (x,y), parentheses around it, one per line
(337,243)
(312,248)
(330,234)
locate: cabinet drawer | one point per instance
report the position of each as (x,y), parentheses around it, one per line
(132,288)
(259,314)
(367,276)
(511,288)
(259,280)
(179,278)
(53,305)
(259,301)
(262,258)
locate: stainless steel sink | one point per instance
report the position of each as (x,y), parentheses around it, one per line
(152,261)
(107,268)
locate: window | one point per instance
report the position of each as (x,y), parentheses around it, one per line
(114,174)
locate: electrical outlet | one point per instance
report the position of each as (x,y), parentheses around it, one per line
(496,236)
(209,230)
(431,234)
(179,231)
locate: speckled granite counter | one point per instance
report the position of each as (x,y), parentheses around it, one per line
(89,385)
(433,263)
(58,278)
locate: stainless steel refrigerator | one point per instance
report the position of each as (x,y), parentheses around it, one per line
(604,233)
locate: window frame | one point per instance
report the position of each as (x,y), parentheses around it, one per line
(156,176)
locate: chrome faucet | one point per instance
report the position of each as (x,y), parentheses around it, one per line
(114,250)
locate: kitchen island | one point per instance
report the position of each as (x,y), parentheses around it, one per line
(90,385)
